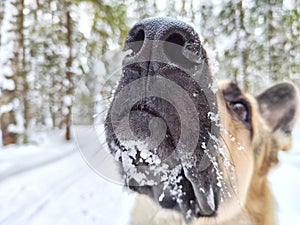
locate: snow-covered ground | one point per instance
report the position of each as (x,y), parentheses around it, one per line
(285,182)
(48,182)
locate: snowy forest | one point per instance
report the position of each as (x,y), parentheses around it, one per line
(60,61)
(48,47)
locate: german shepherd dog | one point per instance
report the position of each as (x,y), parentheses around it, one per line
(196,154)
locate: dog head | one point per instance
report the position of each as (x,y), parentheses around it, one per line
(189,148)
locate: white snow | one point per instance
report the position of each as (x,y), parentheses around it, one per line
(285,183)
(8,84)
(289,4)
(68,100)
(6,108)
(48,182)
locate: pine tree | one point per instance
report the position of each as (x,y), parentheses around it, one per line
(1,20)
(13,72)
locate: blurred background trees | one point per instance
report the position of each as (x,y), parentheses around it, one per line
(48,48)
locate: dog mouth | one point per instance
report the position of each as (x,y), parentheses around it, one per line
(158,171)
(192,200)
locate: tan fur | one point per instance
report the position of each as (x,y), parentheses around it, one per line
(254,203)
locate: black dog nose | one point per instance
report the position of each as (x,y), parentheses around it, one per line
(164,40)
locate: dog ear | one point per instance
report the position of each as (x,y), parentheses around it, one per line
(279,106)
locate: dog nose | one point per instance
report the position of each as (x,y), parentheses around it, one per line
(163,40)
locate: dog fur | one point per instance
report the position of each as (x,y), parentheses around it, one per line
(273,115)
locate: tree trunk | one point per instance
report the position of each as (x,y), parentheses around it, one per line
(183,10)
(193,13)
(273,73)
(7,118)
(240,48)
(69,75)
(1,19)
(23,72)
(10,94)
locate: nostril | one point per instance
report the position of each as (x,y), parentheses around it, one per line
(176,39)
(136,41)
(175,49)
